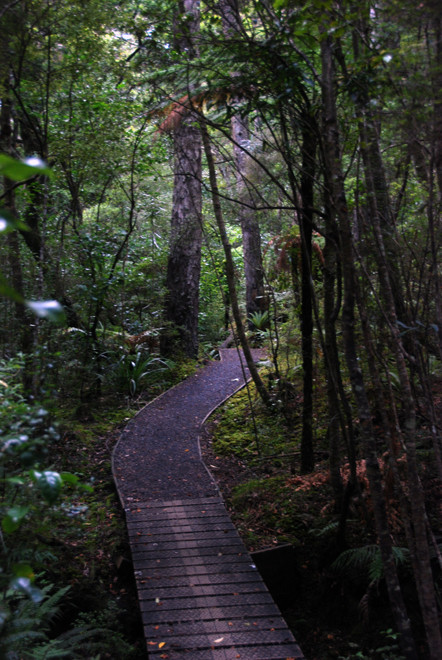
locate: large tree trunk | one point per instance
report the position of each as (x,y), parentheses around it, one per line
(251,237)
(20,326)
(184,263)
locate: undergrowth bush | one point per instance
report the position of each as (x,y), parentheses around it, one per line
(30,487)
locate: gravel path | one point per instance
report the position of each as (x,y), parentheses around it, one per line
(158,455)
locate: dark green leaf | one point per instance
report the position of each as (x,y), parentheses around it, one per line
(49,484)
(8,223)
(8,292)
(13,518)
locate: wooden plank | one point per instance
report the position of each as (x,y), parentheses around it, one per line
(188,558)
(281,652)
(211,554)
(192,590)
(178,579)
(227,639)
(194,602)
(164,537)
(218,626)
(250,613)
(155,567)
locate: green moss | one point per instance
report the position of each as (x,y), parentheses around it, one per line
(248,435)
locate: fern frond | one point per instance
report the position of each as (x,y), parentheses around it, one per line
(71,644)
(367,558)
(20,639)
(376,567)
(48,607)
(324,531)
(358,558)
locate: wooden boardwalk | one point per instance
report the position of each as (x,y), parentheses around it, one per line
(200,595)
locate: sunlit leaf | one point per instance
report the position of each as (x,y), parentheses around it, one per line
(278,4)
(25,585)
(49,483)
(23,570)
(20,170)
(47,309)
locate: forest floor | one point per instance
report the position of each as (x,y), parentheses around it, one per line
(334,607)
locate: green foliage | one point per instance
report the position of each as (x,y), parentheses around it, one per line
(22,170)
(388,651)
(27,436)
(134,372)
(367,558)
(260,320)
(25,628)
(235,433)
(26,621)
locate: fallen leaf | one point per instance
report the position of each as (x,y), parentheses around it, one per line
(161,644)
(217,641)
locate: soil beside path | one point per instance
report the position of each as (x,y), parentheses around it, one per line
(158,455)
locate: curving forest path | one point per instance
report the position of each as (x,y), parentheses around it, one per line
(200,595)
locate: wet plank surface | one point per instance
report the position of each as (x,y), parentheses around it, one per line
(200,594)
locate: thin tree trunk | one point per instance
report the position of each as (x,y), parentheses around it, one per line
(306,224)
(391,293)
(434,217)
(230,270)
(331,354)
(333,163)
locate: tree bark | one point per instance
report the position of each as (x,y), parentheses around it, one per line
(306,225)
(333,163)
(230,271)
(394,309)
(251,237)
(6,145)
(184,262)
